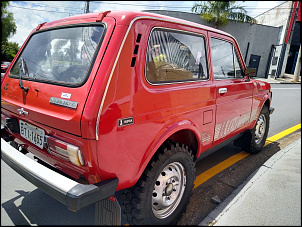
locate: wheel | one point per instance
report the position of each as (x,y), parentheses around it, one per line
(162,193)
(254,140)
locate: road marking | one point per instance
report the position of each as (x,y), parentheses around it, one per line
(218,168)
(237,157)
(282,134)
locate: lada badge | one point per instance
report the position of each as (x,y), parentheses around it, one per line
(63,102)
(126,121)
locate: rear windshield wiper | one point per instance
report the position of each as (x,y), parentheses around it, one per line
(22,65)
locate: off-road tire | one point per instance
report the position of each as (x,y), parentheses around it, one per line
(253,141)
(138,202)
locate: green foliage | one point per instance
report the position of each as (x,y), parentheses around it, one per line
(219,12)
(8,50)
(7,22)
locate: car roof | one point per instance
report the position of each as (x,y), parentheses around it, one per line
(125,18)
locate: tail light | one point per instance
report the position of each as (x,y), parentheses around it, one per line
(65,150)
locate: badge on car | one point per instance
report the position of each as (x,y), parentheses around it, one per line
(63,102)
(65,95)
(125,121)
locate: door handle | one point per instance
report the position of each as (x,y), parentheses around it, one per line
(222,90)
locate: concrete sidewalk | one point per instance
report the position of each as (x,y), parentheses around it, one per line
(285,79)
(270,196)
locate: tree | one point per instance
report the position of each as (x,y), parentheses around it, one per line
(8,22)
(219,12)
(9,50)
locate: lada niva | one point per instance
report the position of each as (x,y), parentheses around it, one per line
(116,107)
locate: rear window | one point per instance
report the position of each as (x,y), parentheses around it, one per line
(60,56)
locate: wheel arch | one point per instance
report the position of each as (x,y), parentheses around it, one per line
(183,131)
(266,101)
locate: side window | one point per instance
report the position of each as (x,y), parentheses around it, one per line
(173,56)
(224,60)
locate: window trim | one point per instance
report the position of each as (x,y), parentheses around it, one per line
(239,63)
(177,81)
(64,84)
(233,52)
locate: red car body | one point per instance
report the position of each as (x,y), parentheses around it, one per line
(122,119)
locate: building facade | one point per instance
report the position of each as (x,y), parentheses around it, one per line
(287,16)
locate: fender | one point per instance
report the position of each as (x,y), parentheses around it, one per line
(167,130)
(265,98)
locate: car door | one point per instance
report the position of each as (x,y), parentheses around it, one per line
(233,92)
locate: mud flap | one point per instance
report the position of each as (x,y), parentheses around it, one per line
(108,212)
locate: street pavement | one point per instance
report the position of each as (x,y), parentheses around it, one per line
(271,196)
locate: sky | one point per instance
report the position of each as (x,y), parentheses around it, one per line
(28,14)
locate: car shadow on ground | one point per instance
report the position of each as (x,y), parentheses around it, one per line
(38,208)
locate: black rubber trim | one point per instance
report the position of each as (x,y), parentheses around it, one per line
(83,195)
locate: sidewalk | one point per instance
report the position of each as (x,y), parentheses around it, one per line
(270,196)
(286,79)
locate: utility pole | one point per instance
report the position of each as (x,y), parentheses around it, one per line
(298,67)
(87,7)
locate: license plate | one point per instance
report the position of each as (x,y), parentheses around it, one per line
(32,133)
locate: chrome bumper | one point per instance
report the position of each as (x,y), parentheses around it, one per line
(69,192)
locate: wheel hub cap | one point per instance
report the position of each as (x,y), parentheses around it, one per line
(168,190)
(260,129)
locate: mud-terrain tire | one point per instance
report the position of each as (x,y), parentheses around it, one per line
(162,193)
(253,141)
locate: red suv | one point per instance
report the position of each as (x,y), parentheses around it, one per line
(124,103)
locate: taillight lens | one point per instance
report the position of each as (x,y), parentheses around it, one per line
(65,150)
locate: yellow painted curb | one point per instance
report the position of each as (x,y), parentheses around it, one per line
(237,157)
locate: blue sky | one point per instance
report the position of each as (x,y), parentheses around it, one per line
(28,14)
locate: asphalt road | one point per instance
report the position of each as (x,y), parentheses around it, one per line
(23,204)
(287,104)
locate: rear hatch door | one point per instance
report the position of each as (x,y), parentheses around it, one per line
(50,79)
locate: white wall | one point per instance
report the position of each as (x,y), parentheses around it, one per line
(277,17)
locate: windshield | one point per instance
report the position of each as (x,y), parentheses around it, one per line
(60,55)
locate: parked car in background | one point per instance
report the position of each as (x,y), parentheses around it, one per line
(4,66)
(118,106)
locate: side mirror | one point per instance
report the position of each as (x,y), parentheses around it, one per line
(250,72)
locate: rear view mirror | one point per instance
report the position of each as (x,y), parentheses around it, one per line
(250,72)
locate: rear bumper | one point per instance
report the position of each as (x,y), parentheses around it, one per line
(69,192)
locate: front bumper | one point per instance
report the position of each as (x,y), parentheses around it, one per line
(69,192)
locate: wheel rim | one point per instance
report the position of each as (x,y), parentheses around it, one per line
(168,190)
(260,129)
